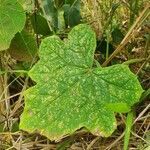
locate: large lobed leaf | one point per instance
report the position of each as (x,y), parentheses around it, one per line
(12,20)
(70,93)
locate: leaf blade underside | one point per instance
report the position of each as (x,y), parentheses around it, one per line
(70,93)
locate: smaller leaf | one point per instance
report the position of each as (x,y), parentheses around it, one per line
(12,20)
(72,13)
(117,36)
(40,25)
(59,3)
(23,47)
(15,127)
(51,13)
(69,2)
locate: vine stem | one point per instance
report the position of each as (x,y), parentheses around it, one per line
(129,123)
(132,61)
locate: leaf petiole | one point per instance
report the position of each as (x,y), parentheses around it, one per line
(132,61)
(129,123)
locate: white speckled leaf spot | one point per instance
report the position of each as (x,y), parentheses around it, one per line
(71,94)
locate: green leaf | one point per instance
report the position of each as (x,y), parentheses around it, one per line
(70,93)
(23,47)
(40,25)
(12,20)
(117,36)
(72,13)
(50,12)
(59,3)
(70,1)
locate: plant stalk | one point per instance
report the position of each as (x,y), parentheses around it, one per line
(129,122)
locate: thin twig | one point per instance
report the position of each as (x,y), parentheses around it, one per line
(115,142)
(92,143)
(142,113)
